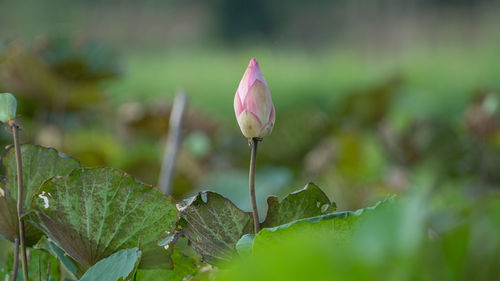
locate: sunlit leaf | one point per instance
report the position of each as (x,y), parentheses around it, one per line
(94,212)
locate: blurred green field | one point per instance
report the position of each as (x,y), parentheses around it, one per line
(436,82)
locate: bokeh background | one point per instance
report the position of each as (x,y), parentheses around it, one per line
(372,97)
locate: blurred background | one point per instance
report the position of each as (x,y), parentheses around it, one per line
(372,97)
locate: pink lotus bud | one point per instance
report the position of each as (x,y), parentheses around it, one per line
(253,104)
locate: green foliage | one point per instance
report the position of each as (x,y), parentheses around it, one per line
(213,225)
(71,266)
(184,267)
(308,202)
(94,212)
(338,226)
(41,264)
(392,242)
(120,266)
(39,164)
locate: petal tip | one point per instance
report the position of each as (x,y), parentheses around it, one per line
(253,62)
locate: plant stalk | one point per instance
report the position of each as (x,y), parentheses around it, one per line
(16,260)
(251,182)
(19,165)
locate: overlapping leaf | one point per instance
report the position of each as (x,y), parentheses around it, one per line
(120,266)
(39,164)
(214,226)
(71,266)
(308,202)
(94,212)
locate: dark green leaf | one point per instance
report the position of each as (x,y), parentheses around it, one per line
(214,226)
(39,164)
(308,202)
(94,212)
(117,267)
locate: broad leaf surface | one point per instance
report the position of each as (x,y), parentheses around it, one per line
(94,212)
(39,164)
(214,226)
(308,202)
(117,267)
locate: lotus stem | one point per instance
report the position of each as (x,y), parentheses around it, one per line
(251,182)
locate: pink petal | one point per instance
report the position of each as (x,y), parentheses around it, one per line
(252,73)
(258,101)
(238,107)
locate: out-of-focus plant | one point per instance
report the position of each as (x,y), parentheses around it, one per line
(58,82)
(58,73)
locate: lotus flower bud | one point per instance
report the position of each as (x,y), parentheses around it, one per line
(253,104)
(8,106)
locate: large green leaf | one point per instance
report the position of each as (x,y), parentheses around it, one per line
(39,164)
(307,202)
(214,226)
(117,267)
(337,226)
(94,212)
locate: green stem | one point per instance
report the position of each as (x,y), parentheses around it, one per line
(19,165)
(251,183)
